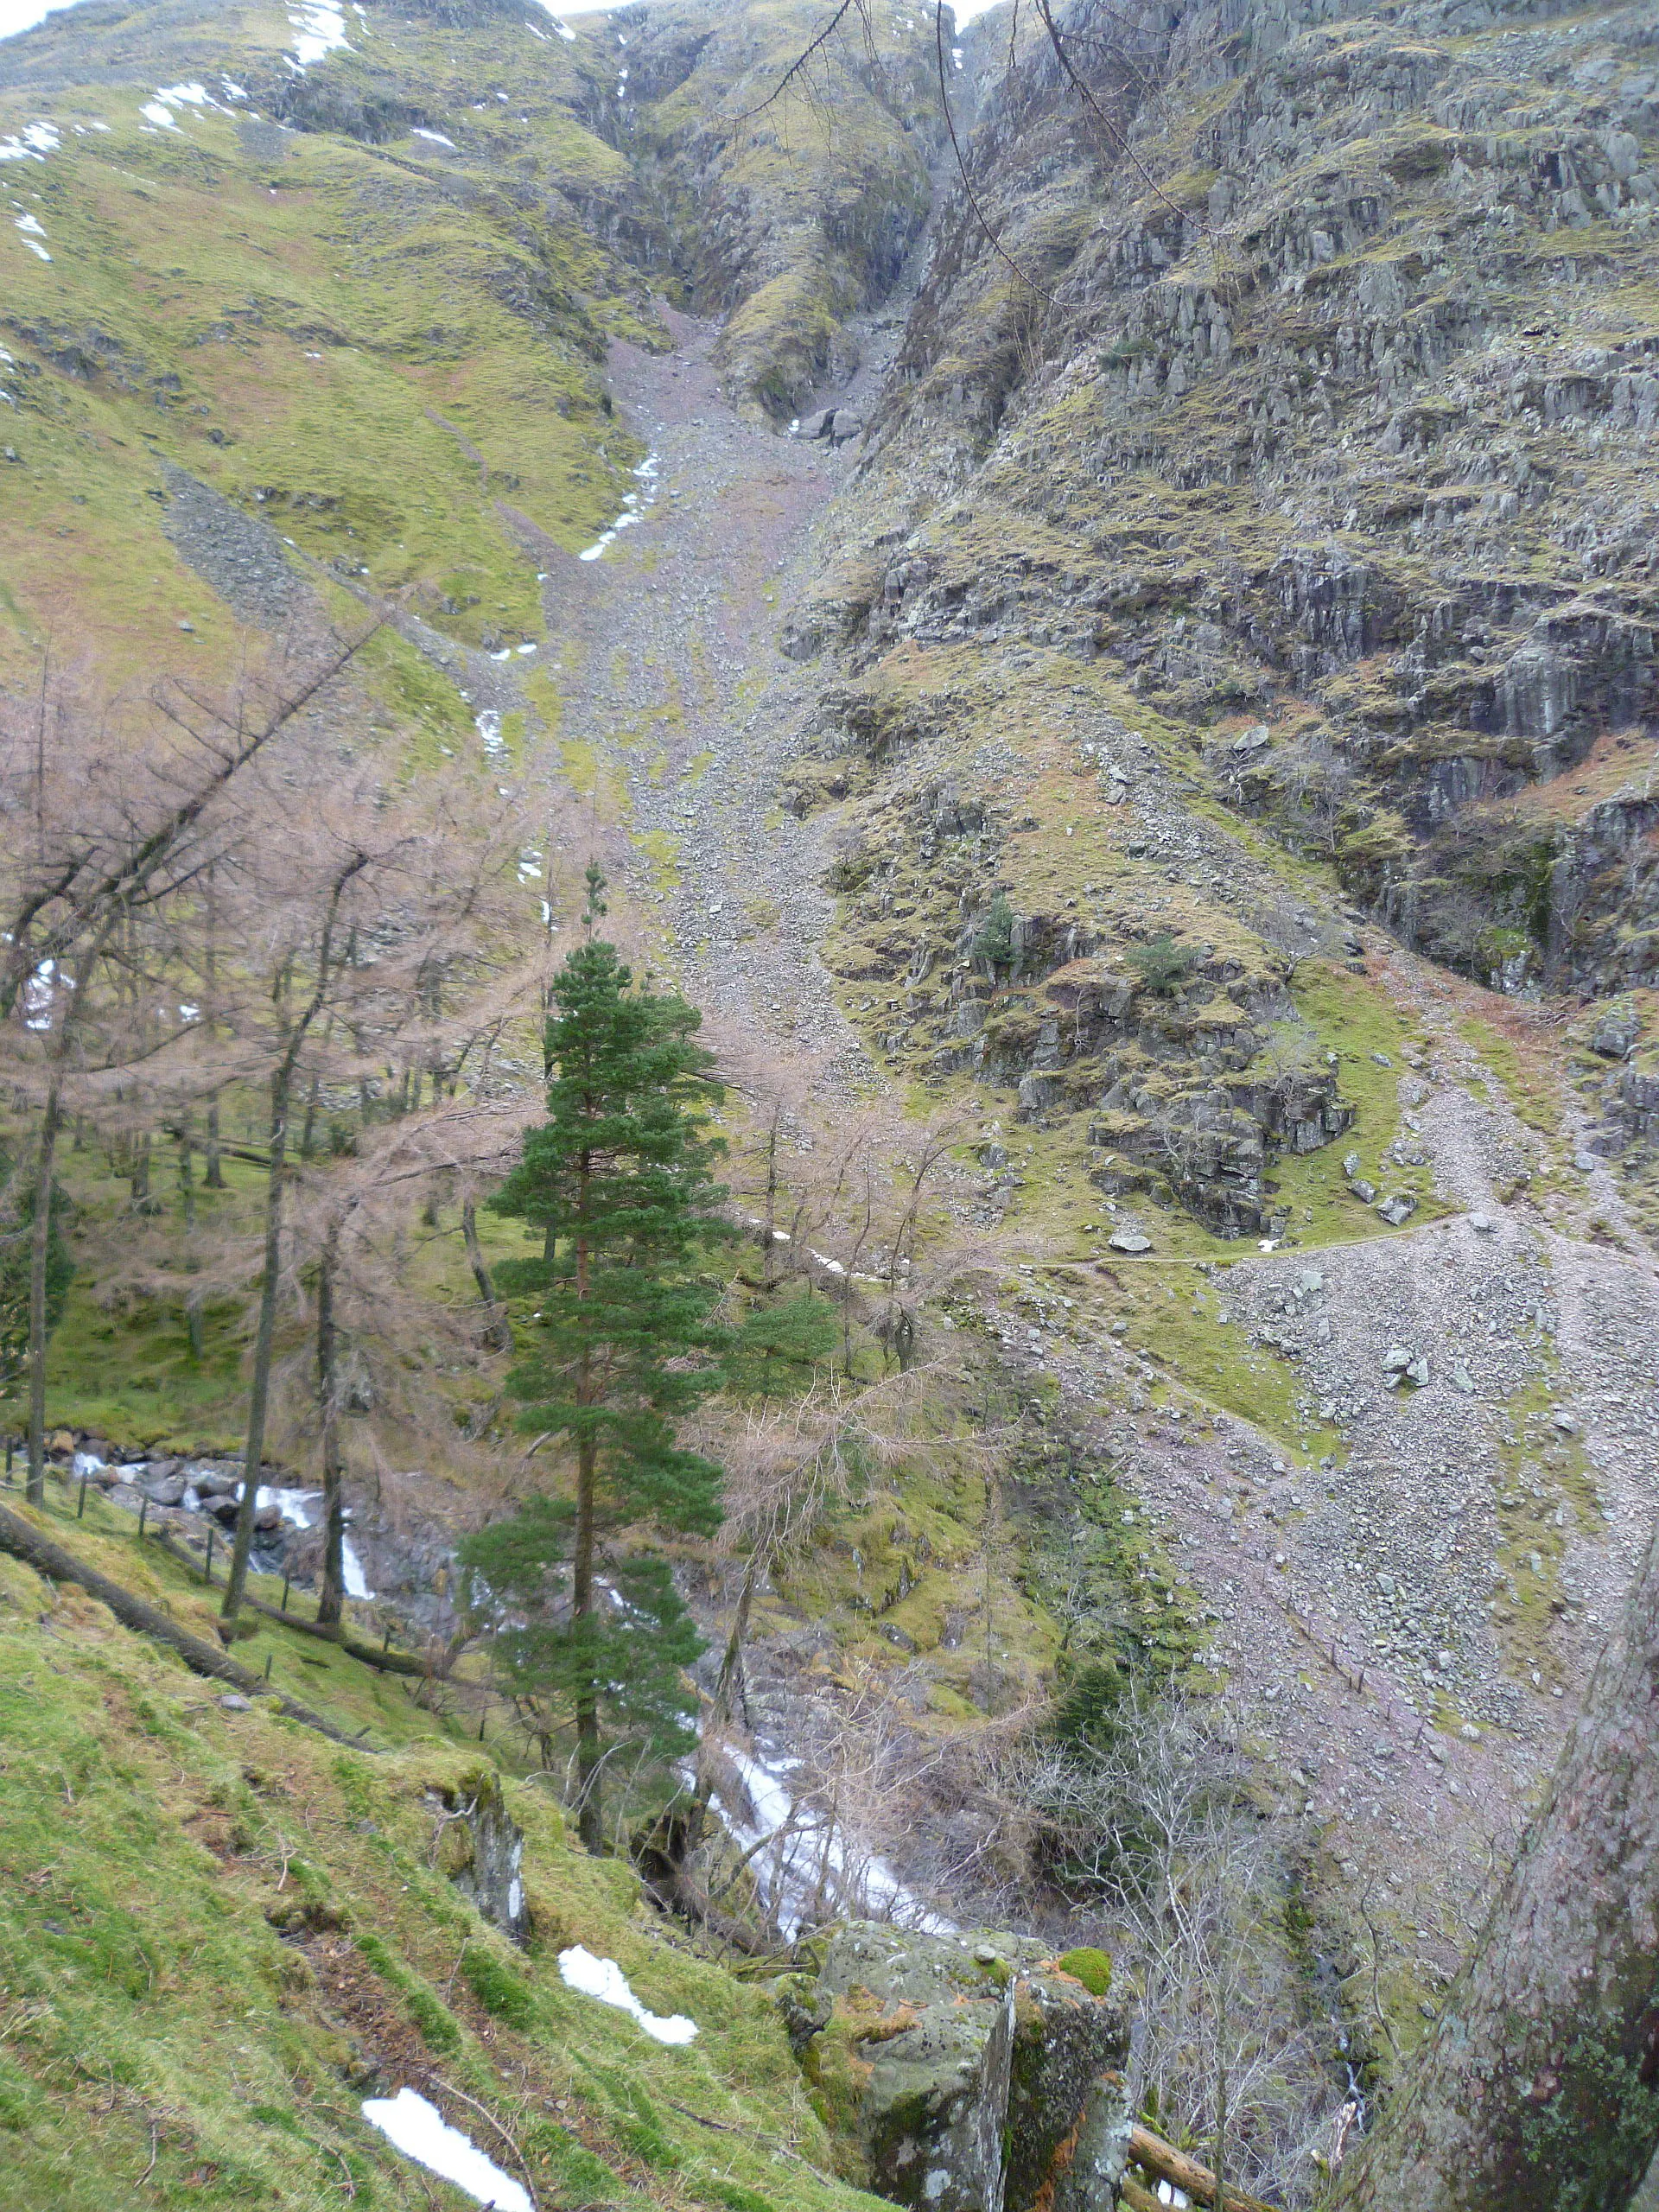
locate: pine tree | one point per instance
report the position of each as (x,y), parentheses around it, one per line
(619,1347)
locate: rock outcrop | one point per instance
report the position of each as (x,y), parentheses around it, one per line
(1321,421)
(970,2073)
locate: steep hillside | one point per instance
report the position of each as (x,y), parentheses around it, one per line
(791,195)
(1319,412)
(223,1932)
(1171,773)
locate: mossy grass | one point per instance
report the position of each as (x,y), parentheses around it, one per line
(228,1931)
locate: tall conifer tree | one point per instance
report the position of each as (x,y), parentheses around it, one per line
(620,1343)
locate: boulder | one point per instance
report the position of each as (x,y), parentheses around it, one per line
(1130,1240)
(482,1851)
(1364,1192)
(844,428)
(163,1489)
(815,426)
(977,2068)
(1482,1223)
(1615,1034)
(1397,1209)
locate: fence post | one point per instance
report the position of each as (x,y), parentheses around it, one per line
(210,1552)
(80,1503)
(144,1512)
(282,1606)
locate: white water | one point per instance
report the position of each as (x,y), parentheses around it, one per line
(298,1506)
(421,2132)
(813,1871)
(579,1968)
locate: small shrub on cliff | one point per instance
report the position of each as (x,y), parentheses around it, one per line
(1162,964)
(994,943)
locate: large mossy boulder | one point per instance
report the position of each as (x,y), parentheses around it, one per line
(965,2073)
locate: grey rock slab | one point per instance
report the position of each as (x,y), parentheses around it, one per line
(1130,1240)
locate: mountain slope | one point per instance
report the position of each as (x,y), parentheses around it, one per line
(1321,405)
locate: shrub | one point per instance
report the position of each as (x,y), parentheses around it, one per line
(994,943)
(1162,965)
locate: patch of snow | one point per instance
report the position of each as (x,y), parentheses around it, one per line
(526,649)
(319,27)
(232,90)
(437,138)
(28,223)
(32,143)
(186,95)
(488,726)
(160,116)
(604,1979)
(421,2132)
(646,476)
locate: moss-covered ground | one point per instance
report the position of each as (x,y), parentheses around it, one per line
(384,345)
(221,1931)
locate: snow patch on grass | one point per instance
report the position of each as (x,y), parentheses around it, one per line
(421,2132)
(604,1979)
(32,143)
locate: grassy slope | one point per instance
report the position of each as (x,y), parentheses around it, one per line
(221,1931)
(285,315)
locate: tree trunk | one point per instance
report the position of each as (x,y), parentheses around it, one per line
(259,1394)
(496,1332)
(590,1826)
(39,1251)
(214,1176)
(330,1598)
(1537,2089)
